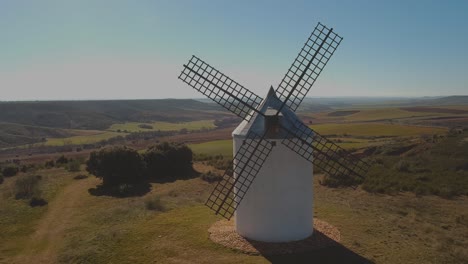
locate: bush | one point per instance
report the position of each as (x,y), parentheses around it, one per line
(27,187)
(62,160)
(116,166)
(211,177)
(10,171)
(145,126)
(73,165)
(168,160)
(219,162)
(402,166)
(336,181)
(1,178)
(49,164)
(155,204)
(80,177)
(35,201)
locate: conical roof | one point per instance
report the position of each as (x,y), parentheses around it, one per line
(269,105)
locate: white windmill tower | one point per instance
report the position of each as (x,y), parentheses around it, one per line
(269,186)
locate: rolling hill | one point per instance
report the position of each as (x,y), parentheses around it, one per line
(102,114)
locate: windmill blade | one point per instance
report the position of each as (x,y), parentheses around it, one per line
(248,161)
(220,88)
(323,153)
(308,65)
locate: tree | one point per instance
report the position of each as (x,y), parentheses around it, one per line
(10,171)
(168,160)
(116,166)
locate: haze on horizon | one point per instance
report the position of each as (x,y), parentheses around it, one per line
(74,50)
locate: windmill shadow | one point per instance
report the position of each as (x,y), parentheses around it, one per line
(317,249)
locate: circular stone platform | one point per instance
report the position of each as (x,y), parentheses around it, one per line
(223,232)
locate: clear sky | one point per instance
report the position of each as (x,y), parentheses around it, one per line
(91,49)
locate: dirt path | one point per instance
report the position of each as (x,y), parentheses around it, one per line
(47,239)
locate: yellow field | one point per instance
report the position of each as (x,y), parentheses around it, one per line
(85,139)
(385,113)
(375,129)
(163,126)
(373,115)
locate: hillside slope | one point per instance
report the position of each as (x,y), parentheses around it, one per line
(101,114)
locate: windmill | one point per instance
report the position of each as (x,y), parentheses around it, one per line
(269,186)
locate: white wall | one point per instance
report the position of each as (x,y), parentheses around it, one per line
(278,206)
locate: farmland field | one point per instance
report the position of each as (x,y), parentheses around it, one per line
(375,129)
(85,139)
(163,126)
(223,147)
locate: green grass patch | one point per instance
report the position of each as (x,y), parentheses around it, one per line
(428,167)
(17,218)
(216,147)
(162,126)
(86,139)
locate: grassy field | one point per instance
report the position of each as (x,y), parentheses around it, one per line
(84,139)
(163,126)
(358,135)
(77,227)
(223,147)
(362,114)
(382,114)
(18,221)
(375,130)
(385,114)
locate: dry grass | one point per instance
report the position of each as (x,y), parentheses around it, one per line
(77,227)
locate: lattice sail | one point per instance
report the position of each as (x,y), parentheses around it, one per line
(220,88)
(308,65)
(323,153)
(236,181)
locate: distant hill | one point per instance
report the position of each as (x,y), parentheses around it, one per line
(102,114)
(15,134)
(347,102)
(449,100)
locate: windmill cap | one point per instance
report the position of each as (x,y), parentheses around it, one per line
(269,107)
(272,112)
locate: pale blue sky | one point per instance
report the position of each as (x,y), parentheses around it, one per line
(89,49)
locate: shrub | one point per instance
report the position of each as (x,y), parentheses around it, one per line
(340,181)
(10,171)
(27,187)
(1,178)
(49,164)
(145,126)
(35,201)
(62,160)
(155,204)
(219,162)
(170,160)
(211,177)
(116,166)
(402,166)
(80,177)
(73,165)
